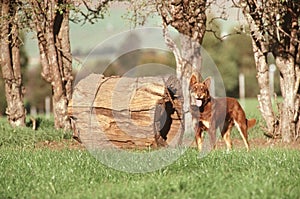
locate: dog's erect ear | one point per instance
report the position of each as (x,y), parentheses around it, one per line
(193,80)
(207,82)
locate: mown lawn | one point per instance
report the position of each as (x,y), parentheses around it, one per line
(28,171)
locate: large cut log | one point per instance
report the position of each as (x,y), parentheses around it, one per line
(127,112)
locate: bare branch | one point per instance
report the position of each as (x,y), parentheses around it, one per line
(171,44)
(90,11)
(221,38)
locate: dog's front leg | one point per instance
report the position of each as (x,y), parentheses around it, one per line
(212,135)
(199,137)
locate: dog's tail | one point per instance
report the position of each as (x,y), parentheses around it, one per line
(250,123)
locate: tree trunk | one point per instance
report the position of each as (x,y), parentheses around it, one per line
(62,70)
(55,55)
(288,62)
(264,96)
(274,28)
(260,51)
(289,111)
(190,53)
(11,67)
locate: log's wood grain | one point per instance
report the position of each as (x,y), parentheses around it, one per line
(126,112)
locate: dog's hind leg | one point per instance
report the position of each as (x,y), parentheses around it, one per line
(226,135)
(242,128)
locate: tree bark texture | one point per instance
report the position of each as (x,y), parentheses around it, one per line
(188,17)
(287,60)
(10,64)
(275,29)
(289,110)
(51,19)
(127,112)
(264,97)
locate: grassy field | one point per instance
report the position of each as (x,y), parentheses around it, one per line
(28,171)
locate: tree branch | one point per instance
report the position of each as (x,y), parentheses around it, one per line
(92,13)
(171,44)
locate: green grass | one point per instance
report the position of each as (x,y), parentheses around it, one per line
(30,172)
(25,137)
(264,173)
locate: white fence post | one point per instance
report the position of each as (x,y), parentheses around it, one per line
(242,88)
(272,69)
(47,106)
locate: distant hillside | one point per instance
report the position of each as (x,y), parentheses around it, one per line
(86,37)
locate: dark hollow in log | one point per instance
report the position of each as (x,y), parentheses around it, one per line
(126,112)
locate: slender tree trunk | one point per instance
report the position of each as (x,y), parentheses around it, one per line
(289,112)
(191,54)
(191,51)
(11,67)
(55,55)
(264,96)
(288,63)
(61,99)
(260,51)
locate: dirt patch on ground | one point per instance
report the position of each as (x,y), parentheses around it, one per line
(261,143)
(237,143)
(59,145)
